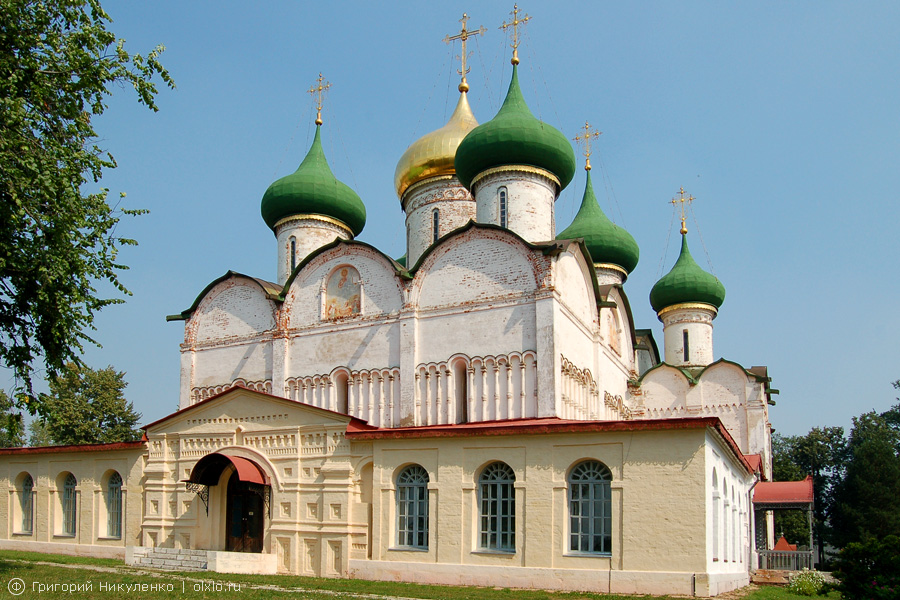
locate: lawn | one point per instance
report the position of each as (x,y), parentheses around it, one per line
(58,576)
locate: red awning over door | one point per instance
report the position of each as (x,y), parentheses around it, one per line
(209,469)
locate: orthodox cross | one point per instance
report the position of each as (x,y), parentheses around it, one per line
(516,21)
(588,135)
(463,36)
(681,200)
(318,91)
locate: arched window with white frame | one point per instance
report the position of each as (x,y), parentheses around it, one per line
(715,516)
(68,504)
(114,506)
(412,508)
(590,508)
(497,508)
(26,503)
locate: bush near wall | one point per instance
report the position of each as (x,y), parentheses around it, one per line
(870,570)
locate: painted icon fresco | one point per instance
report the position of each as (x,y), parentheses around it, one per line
(342,293)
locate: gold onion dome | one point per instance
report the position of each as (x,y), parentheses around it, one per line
(433,154)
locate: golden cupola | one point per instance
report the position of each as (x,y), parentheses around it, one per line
(433,154)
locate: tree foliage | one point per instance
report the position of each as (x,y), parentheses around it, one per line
(870,570)
(867,499)
(58,65)
(10,423)
(87,406)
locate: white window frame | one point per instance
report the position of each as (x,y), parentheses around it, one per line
(590,508)
(497,508)
(412,508)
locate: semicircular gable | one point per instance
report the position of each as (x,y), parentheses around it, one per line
(380,291)
(236,307)
(474,267)
(575,286)
(723,383)
(664,390)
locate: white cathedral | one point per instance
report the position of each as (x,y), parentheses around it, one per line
(483,411)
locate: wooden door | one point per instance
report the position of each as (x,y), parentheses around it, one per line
(244,518)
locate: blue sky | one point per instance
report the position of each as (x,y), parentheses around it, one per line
(781,118)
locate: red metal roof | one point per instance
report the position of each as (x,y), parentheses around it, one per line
(755,462)
(209,468)
(74,448)
(784,492)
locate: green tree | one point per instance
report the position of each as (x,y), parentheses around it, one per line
(87,406)
(38,434)
(58,65)
(10,423)
(867,500)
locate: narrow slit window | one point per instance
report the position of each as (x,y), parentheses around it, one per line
(687,348)
(293,254)
(503,207)
(435,225)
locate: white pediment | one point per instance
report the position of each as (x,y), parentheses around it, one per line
(247,409)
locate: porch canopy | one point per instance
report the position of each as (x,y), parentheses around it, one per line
(209,469)
(772,495)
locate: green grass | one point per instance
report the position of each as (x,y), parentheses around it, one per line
(81,571)
(771,592)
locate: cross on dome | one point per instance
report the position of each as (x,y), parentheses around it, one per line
(463,37)
(585,139)
(516,21)
(682,200)
(318,92)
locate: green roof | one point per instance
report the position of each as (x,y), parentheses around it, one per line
(515,137)
(606,241)
(313,189)
(686,282)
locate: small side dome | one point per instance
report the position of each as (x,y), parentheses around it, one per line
(606,241)
(515,137)
(313,189)
(686,282)
(433,154)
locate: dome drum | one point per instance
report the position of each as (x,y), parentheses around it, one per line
(521,200)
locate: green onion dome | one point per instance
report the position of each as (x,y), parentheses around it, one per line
(686,282)
(313,189)
(606,241)
(515,137)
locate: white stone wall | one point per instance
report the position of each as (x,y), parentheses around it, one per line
(308,234)
(697,322)
(729,531)
(658,503)
(723,390)
(314,524)
(530,198)
(92,469)
(455,206)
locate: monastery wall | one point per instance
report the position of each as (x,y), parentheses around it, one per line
(669,464)
(93,532)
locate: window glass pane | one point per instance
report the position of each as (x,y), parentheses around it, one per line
(412,507)
(590,508)
(498,508)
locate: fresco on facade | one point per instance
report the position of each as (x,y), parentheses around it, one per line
(342,293)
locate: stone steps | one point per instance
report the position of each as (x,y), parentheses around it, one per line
(170,559)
